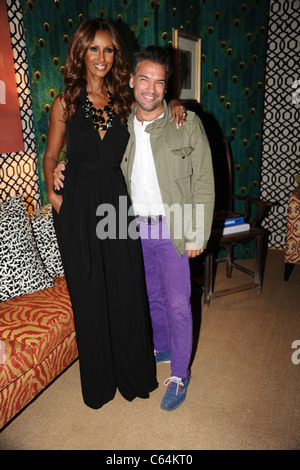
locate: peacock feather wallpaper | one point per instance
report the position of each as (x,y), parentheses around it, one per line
(234,55)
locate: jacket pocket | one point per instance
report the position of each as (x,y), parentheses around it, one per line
(182,151)
(184,186)
(181,163)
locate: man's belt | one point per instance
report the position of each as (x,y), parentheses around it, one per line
(150,219)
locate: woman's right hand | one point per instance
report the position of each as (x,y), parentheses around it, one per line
(55,200)
(58,176)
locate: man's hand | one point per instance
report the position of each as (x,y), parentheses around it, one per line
(193,252)
(178,111)
(58,177)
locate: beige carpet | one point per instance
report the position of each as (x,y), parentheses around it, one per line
(244,392)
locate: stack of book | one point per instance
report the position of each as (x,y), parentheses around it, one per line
(231,222)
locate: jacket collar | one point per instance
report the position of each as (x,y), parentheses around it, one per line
(159,122)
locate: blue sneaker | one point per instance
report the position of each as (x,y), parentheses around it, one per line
(164,356)
(175,393)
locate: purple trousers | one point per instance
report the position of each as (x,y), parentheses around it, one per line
(169,290)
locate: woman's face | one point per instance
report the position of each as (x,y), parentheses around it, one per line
(99,57)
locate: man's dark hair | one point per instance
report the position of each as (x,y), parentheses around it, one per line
(155,54)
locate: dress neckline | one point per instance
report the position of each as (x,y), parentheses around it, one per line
(84,97)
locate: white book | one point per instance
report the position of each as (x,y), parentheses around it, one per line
(236,229)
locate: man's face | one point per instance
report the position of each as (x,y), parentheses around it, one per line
(149,85)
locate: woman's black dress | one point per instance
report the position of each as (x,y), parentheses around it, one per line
(104,266)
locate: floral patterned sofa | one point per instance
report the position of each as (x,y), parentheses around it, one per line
(37,335)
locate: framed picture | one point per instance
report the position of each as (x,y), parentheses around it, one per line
(187,66)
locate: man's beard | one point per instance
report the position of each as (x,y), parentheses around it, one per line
(150,106)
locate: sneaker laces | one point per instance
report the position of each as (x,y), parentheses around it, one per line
(174,379)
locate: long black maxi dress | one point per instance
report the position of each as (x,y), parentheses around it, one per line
(104,274)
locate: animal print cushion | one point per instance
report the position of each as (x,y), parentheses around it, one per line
(45,238)
(15,204)
(21,268)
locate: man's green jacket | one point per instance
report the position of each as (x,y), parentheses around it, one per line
(185,175)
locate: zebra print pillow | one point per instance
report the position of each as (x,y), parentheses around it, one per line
(21,268)
(15,204)
(45,238)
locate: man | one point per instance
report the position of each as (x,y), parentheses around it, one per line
(166,168)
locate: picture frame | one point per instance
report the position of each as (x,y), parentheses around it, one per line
(187,66)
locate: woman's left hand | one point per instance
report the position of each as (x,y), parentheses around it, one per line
(178,111)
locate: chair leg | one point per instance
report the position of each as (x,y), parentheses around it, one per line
(259,260)
(288,268)
(229,261)
(208,261)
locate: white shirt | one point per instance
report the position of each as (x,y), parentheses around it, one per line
(145,192)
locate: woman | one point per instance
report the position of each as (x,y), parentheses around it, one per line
(105,275)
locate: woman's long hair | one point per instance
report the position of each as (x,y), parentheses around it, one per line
(75,69)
